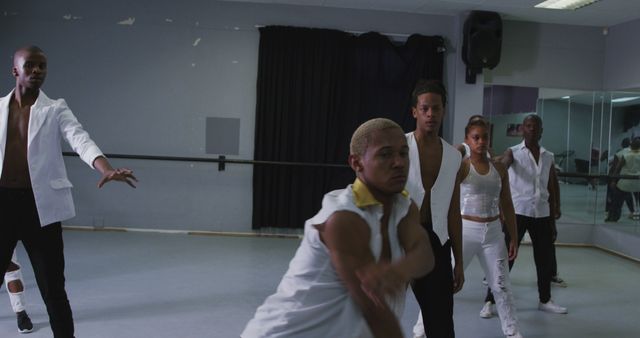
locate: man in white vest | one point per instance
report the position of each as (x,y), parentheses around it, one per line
(434,185)
(35,193)
(349,275)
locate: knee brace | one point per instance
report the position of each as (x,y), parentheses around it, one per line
(17,298)
(11,276)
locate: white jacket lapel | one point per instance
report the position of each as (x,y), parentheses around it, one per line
(38,116)
(4,121)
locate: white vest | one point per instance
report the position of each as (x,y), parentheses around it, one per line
(311,300)
(442,189)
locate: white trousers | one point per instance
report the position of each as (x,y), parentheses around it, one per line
(486,241)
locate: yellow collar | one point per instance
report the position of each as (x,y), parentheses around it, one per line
(363,197)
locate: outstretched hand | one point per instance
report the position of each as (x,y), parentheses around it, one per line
(381,279)
(118,174)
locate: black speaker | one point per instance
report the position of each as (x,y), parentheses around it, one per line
(482,42)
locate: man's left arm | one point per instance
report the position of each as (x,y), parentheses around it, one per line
(454,222)
(418,257)
(88,151)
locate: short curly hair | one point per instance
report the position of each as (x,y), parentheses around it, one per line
(428,86)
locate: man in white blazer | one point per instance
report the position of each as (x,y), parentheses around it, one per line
(35,193)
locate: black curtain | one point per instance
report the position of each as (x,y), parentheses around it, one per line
(315,86)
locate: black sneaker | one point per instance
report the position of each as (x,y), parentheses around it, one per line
(24,322)
(557,281)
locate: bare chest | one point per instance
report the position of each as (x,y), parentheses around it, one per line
(18,125)
(15,170)
(430,162)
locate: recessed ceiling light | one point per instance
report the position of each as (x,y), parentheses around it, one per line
(625,99)
(565,97)
(564,4)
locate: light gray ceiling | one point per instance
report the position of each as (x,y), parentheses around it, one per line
(605,13)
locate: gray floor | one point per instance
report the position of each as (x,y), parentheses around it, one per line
(166,285)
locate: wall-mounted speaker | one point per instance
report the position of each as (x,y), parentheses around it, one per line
(482,42)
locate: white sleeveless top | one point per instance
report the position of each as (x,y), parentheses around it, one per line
(631,167)
(311,300)
(480,194)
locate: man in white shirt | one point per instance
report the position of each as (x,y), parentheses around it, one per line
(349,275)
(35,193)
(531,177)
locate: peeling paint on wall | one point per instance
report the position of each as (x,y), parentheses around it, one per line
(128,21)
(195,43)
(71,17)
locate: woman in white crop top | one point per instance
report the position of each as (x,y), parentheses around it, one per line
(484,196)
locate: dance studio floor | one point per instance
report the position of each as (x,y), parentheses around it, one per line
(150,285)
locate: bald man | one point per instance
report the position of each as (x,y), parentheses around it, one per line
(35,193)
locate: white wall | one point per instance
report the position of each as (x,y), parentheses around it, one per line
(550,56)
(621,69)
(147,89)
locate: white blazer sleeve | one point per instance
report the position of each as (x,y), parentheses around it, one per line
(72,131)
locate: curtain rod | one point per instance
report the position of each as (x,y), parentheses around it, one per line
(398,35)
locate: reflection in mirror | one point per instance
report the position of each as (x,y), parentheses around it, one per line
(585,131)
(624,157)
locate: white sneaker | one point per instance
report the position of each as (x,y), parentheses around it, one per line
(552,307)
(515,335)
(487,310)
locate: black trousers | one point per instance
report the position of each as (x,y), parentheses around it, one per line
(612,194)
(434,292)
(19,222)
(618,197)
(540,231)
(554,262)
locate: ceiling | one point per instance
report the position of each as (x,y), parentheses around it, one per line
(605,13)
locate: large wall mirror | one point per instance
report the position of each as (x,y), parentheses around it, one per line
(587,132)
